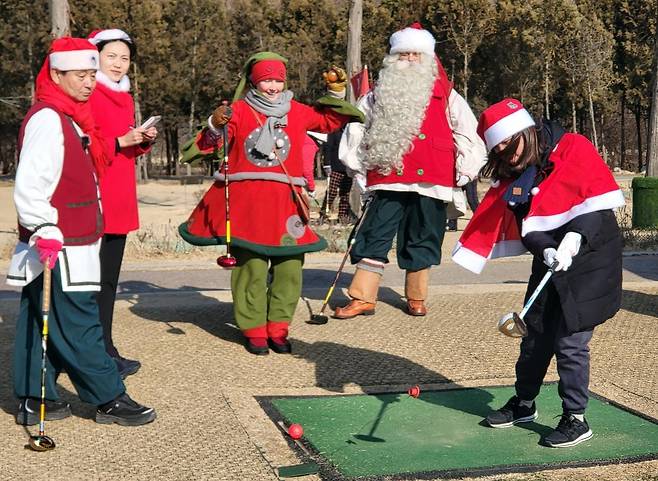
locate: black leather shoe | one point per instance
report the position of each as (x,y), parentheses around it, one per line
(256,349)
(280,347)
(28,411)
(125,412)
(126,367)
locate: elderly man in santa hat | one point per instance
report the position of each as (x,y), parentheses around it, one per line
(60,226)
(417,148)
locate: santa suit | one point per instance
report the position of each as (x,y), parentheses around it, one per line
(411,202)
(266,226)
(573,191)
(56,191)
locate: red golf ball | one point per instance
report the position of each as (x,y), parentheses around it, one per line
(414,391)
(296,431)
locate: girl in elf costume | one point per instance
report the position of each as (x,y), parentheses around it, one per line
(554,196)
(269,229)
(114,112)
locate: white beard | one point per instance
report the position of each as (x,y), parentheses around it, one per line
(402,94)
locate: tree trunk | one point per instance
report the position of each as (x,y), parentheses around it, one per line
(59,18)
(638,128)
(591,114)
(354,44)
(622,153)
(466,61)
(652,146)
(546,96)
(140,163)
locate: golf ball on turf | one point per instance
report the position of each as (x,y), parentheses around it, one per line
(414,391)
(296,431)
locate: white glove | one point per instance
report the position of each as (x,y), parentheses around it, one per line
(462,180)
(311,194)
(549,256)
(565,252)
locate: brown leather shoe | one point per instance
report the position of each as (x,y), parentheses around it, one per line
(353,309)
(416,308)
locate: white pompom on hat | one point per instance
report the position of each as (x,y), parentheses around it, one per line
(98,36)
(412,39)
(502,120)
(69,53)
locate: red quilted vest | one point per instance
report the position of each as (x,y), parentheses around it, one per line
(76,195)
(431,158)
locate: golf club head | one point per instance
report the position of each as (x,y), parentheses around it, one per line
(227,262)
(40,443)
(318,319)
(512,325)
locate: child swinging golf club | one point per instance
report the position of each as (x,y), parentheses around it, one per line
(554,196)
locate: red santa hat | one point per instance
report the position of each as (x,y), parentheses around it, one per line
(68,53)
(502,120)
(412,39)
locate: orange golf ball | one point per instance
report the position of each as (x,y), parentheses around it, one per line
(296,431)
(414,391)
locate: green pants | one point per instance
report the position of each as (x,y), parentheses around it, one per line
(265,291)
(75,345)
(418,221)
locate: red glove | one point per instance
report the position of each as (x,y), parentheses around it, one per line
(48,250)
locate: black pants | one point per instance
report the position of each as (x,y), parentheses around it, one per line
(571,353)
(112,247)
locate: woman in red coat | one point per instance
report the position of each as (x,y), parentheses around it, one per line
(114,113)
(269,234)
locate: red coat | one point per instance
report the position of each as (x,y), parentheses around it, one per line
(262,209)
(114,113)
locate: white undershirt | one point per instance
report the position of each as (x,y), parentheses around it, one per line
(39,170)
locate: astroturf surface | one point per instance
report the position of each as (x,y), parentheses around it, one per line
(376,435)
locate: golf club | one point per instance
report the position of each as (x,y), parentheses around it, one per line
(41,442)
(319,319)
(513,324)
(226,261)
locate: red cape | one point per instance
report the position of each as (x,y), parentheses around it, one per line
(579,184)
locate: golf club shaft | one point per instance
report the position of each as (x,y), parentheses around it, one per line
(535,294)
(352,238)
(45,309)
(226,196)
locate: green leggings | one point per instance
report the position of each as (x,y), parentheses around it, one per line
(265,289)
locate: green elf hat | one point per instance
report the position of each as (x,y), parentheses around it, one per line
(246,71)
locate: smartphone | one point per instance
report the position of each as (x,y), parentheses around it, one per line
(151,121)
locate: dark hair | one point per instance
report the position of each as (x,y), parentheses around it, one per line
(497,165)
(131,46)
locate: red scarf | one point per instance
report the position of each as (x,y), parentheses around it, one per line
(49,92)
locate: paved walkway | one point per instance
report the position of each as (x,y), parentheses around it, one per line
(177,319)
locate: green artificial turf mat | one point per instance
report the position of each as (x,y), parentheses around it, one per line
(376,435)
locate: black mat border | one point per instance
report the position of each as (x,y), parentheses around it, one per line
(328,472)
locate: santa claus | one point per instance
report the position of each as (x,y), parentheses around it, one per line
(417,148)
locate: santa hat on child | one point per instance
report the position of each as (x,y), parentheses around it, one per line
(70,53)
(502,120)
(412,39)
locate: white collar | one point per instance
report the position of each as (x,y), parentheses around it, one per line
(122,85)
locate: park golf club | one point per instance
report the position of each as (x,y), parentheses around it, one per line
(513,324)
(321,318)
(226,261)
(41,442)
